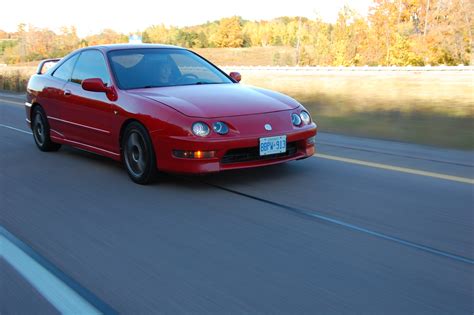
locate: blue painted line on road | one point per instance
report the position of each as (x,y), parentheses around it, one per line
(351,226)
(18,255)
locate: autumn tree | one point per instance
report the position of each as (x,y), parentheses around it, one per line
(159,34)
(229,33)
(448,38)
(66,41)
(395,32)
(107,36)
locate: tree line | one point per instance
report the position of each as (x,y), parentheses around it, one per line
(395,32)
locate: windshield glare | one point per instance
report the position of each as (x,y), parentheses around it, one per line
(159,67)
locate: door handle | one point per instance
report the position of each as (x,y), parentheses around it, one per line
(67,92)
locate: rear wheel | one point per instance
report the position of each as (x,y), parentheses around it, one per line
(41,130)
(138,154)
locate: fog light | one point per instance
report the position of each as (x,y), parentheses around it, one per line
(183,154)
(311,141)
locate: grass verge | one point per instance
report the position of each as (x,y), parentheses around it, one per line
(431,108)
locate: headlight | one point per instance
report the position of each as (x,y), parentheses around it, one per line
(201,129)
(296,119)
(305,117)
(220,127)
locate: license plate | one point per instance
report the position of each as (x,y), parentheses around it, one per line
(272,145)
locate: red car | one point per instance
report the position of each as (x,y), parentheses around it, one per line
(165,108)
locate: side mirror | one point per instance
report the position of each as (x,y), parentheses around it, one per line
(97,85)
(94,85)
(236,76)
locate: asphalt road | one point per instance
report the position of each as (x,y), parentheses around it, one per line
(312,236)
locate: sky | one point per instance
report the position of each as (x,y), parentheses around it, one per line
(91,16)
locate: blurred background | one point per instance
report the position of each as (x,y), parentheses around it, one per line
(391,69)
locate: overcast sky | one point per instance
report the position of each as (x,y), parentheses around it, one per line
(134,15)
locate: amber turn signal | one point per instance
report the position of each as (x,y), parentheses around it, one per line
(183,154)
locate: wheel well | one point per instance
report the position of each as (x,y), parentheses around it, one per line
(34,106)
(124,126)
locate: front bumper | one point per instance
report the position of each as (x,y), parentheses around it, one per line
(166,161)
(28,114)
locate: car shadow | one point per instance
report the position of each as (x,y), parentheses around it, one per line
(73,152)
(262,175)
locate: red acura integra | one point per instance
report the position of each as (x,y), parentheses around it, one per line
(163,108)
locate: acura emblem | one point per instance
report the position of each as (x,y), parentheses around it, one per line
(268,127)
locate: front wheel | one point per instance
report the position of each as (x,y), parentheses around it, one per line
(41,130)
(138,154)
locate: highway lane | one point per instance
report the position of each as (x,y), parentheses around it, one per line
(182,245)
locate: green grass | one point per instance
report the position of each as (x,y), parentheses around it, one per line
(441,131)
(432,108)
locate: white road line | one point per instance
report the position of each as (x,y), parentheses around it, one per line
(397,168)
(360,162)
(16,129)
(13,102)
(62,297)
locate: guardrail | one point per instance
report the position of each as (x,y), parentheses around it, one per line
(351,68)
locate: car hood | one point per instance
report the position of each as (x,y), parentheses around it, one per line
(218,100)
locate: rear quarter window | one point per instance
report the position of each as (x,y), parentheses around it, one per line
(64,71)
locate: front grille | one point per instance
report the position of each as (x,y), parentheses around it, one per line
(253,154)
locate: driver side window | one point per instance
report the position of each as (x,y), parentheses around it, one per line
(91,64)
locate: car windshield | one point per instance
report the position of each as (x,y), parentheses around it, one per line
(159,67)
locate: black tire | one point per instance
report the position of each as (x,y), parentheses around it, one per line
(40,129)
(138,154)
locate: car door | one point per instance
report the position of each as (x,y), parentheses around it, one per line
(51,97)
(87,115)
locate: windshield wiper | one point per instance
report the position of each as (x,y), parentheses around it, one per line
(194,83)
(151,86)
(203,82)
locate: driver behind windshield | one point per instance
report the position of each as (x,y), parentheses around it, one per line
(164,73)
(140,68)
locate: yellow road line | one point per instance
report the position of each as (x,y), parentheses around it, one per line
(397,168)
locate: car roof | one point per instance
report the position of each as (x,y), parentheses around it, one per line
(111,47)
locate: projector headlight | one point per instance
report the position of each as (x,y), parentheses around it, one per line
(220,127)
(201,129)
(305,117)
(296,119)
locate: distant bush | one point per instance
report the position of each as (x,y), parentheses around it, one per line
(15,78)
